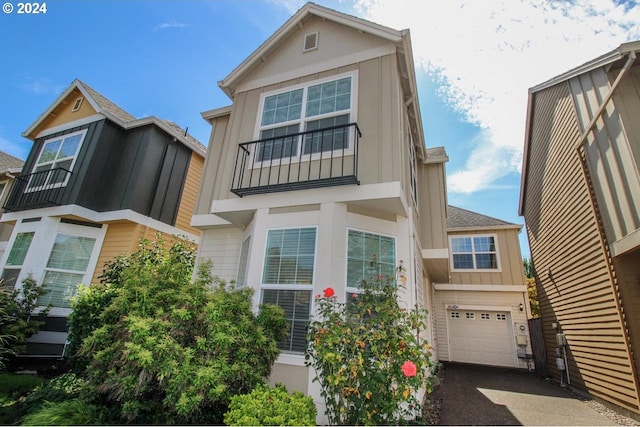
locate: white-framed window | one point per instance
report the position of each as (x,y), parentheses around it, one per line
(455,314)
(16,258)
(58,155)
(485,316)
(315,105)
(501,316)
(369,255)
(469,315)
(477,252)
(66,268)
(287,280)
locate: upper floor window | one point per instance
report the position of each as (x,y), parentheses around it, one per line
(58,155)
(309,107)
(474,253)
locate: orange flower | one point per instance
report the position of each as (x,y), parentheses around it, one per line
(409,369)
(329,292)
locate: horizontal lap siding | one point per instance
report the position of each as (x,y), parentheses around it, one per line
(190,194)
(121,238)
(564,240)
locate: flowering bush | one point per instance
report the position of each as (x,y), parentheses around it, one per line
(368,355)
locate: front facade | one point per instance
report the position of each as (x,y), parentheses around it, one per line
(318,168)
(482,310)
(95,182)
(580,195)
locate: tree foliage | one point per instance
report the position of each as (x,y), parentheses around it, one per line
(168,349)
(17,319)
(368,355)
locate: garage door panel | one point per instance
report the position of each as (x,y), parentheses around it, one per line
(481,337)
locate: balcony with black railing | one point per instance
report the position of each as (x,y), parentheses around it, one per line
(38,190)
(296,161)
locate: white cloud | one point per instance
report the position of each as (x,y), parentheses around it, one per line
(42,86)
(487,54)
(166,25)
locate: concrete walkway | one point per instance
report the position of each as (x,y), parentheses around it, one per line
(479,395)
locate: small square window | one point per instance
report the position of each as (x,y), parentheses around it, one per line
(501,316)
(455,314)
(470,315)
(77,104)
(485,316)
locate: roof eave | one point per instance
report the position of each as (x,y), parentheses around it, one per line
(228,83)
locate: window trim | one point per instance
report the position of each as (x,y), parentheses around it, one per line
(300,157)
(474,253)
(61,137)
(289,287)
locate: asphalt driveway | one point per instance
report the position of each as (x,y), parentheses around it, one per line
(480,395)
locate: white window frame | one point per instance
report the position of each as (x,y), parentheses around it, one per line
(62,138)
(301,122)
(294,286)
(356,290)
(473,252)
(46,230)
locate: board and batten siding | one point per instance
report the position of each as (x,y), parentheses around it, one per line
(575,288)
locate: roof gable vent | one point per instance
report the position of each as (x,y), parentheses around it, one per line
(77,104)
(310,42)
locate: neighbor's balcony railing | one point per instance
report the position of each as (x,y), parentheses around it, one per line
(312,159)
(38,190)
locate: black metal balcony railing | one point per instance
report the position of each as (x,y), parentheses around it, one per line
(312,159)
(38,190)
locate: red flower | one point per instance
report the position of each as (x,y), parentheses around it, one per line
(329,292)
(409,369)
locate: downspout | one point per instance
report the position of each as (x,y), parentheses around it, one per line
(582,156)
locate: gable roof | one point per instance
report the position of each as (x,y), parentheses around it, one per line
(459,219)
(401,38)
(8,162)
(113,112)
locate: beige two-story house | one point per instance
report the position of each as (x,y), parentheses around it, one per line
(318,166)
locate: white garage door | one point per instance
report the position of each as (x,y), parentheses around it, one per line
(482,337)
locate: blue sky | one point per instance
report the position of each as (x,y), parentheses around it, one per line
(475,61)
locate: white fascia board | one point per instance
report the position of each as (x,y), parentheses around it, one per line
(479,288)
(52,107)
(156,121)
(69,125)
(208,220)
(435,253)
(292,24)
(210,115)
(99,217)
(454,306)
(341,194)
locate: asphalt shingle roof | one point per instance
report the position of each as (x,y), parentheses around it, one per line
(107,105)
(7,161)
(458,217)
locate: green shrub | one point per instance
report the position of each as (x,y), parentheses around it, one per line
(58,389)
(266,406)
(13,389)
(66,413)
(168,349)
(17,322)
